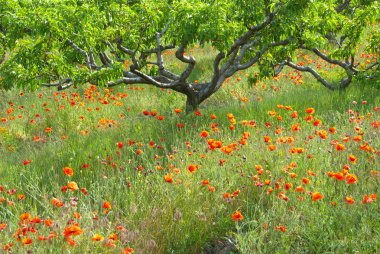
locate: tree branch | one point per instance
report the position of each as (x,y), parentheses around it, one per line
(161,48)
(279,69)
(125,80)
(61,84)
(160,61)
(217,72)
(230,61)
(261,53)
(81,51)
(114,52)
(311,71)
(150,80)
(254,29)
(342,6)
(129,52)
(371,66)
(348,67)
(180,54)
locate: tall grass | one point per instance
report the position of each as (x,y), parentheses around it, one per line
(101,143)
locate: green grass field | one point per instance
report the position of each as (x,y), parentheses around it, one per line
(280,166)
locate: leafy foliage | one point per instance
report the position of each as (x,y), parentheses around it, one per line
(101,41)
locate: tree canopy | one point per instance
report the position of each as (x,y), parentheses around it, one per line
(110,42)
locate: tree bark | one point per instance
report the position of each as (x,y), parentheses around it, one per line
(192,103)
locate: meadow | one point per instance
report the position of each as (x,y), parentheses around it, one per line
(280,165)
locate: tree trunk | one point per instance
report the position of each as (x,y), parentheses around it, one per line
(192,103)
(345,83)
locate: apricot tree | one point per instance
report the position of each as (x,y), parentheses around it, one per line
(58,43)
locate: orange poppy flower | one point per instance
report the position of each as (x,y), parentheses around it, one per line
(322,134)
(340,147)
(288,186)
(236,216)
(299,189)
(26,241)
(349,200)
(2,226)
(72,186)
(226,195)
(226,149)
(56,202)
(72,230)
(25,216)
(316,196)
(236,193)
(243,141)
(351,179)
(246,135)
(204,134)
(211,188)
(48,223)
(113,237)
(290,140)
(339,176)
(192,168)
(369,199)
(230,116)
(107,205)
(168,178)
(68,171)
(280,228)
(205,182)
(332,130)
(317,122)
(330,174)
(128,250)
(310,111)
(283,196)
(352,158)
(295,127)
(97,238)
